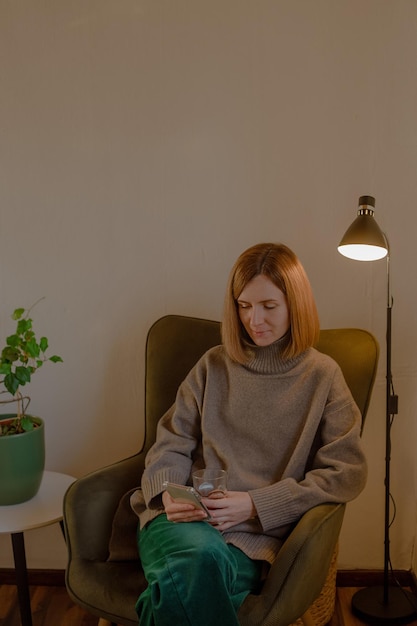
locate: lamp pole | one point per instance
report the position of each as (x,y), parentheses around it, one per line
(390,410)
(386,604)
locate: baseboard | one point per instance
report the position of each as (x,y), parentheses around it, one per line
(345,578)
(371,578)
(36,577)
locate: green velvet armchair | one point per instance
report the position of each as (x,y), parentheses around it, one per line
(300,587)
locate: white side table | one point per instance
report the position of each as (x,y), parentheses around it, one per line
(44,509)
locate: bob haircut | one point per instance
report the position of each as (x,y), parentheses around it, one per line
(278,263)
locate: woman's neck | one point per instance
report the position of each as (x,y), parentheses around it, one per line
(269,359)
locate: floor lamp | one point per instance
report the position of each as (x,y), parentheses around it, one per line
(386,604)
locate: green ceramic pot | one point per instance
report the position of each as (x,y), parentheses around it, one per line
(22,461)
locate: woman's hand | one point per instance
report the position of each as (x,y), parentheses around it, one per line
(234,508)
(181,512)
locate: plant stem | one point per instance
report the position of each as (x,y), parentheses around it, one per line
(19,404)
(33,306)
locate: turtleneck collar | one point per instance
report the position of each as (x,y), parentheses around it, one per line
(269,359)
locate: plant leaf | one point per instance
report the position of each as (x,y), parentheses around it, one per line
(32,348)
(23,375)
(23,326)
(9,354)
(26,423)
(11,383)
(5,368)
(43,344)
(17,314)
(55,359)
(13,341)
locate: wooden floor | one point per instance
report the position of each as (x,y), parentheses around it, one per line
(51,606)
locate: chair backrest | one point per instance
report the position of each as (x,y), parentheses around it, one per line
(173,347)
(357,353)
(176,342)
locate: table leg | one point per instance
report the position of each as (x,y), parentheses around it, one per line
(18,543)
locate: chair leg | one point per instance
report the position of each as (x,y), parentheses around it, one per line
(307,619)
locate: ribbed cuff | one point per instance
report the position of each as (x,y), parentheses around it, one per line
(154,485)
(275,505)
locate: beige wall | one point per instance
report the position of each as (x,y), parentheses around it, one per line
(145,143)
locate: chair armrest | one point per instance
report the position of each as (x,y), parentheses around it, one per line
(299,571)
(90,504)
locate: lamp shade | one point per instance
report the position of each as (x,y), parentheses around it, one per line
(364,240)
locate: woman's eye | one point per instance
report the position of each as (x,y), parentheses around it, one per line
(243,305)
(270,306)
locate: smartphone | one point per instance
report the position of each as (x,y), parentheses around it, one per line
(187,495)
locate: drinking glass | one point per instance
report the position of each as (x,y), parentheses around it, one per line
(210,483)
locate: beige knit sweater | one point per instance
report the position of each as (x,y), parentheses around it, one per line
(286,431)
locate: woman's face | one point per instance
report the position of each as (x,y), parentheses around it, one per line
(263,311)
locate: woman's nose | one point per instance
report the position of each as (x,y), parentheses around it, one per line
(256,316)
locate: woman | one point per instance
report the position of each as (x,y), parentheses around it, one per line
(272,411)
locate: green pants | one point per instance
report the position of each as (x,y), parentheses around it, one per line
(194,577)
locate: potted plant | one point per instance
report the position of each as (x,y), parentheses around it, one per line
(22,439)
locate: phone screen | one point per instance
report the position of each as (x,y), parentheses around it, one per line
(187,495)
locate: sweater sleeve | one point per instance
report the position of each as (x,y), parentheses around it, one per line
(336,471)
(178,435)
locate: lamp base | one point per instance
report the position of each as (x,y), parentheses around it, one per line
(368,604)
